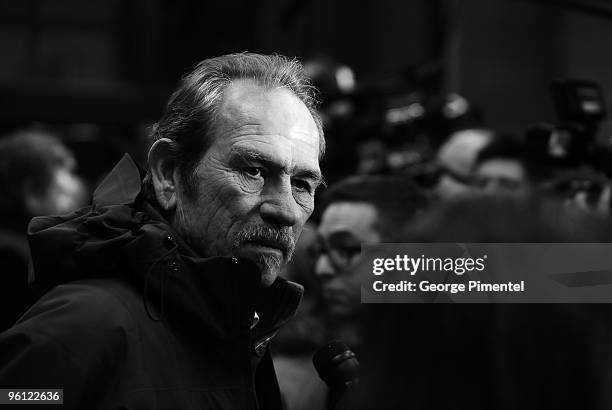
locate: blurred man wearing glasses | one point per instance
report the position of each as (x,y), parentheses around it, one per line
(357,210)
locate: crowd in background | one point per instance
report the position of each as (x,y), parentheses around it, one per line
(433,175)
(408,159)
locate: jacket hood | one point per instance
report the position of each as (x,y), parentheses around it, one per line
(89,242)
(121,235)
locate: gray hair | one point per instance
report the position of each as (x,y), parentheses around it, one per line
(192,109)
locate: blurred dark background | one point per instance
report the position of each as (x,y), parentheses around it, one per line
(398,79)
(99,72)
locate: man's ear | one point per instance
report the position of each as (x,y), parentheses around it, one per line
(164,173)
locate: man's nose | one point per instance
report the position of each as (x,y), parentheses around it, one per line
(279,208)
(324,268)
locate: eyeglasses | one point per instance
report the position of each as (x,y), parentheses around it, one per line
(341,255)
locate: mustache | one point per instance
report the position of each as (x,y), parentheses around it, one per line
(278,238)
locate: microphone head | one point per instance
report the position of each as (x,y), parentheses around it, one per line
(337,365)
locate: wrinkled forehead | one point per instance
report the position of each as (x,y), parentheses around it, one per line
(276,109)
(269,123)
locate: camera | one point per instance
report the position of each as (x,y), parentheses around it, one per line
(580,107)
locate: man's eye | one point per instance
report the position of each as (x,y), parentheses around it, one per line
(253,171)
(302,185)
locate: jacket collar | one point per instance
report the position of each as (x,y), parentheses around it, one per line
(121,186)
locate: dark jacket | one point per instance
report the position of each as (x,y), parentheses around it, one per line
(134,319)
(15,297)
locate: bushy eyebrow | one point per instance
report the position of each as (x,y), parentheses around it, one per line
(245,154)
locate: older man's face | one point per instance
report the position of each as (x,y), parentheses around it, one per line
(256,183)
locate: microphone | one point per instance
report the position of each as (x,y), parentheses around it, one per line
(338,367)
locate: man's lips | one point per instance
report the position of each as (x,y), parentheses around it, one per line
(334,296)
(266,245)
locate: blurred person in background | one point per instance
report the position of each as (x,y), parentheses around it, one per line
(489,356)
(362,209)
(37,173)
(455,159)
(501,166)
(584,188)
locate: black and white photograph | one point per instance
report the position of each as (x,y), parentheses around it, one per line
(306,204)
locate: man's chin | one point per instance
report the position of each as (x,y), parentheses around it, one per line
(268,278)
(269,269)
(269,263)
